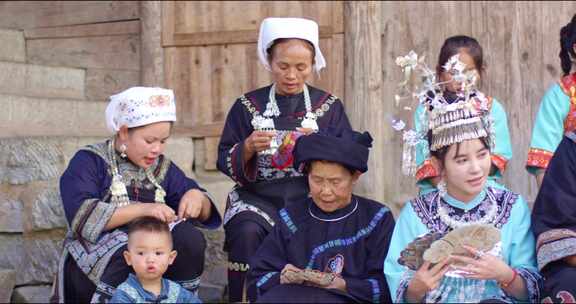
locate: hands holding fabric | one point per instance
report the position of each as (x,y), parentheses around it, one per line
(294,275)
(484,266)
(426,279)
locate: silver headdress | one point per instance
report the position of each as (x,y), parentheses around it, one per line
(451,117)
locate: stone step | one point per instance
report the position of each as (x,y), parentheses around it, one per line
(32,294)
(13,46)
(32,116)
(42,81)
(7,282)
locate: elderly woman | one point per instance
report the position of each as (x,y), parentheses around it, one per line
(257,141)
(109,184)
(331,246)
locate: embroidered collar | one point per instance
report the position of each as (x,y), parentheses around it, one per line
(465,206)
(334,216)
(147,295)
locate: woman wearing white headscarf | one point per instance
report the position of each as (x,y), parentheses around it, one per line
(261,128)
(109,184)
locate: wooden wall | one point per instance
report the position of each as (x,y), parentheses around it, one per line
(521,45)
(102,37)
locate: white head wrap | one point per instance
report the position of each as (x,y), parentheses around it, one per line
(276,28)
(140,106)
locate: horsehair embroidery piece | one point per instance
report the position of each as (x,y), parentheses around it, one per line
(452,118)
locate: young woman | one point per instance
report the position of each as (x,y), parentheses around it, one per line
(557,113)
(273,115)
(470,51)
(460,149)
(109,184)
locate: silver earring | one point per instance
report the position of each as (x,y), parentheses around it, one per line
(123,149)
(442,188)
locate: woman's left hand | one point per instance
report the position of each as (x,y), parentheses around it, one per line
(194,204)
(484,267)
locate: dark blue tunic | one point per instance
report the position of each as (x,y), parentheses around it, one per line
(554,223)
(351,242)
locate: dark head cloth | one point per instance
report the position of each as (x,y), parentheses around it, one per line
(346,147)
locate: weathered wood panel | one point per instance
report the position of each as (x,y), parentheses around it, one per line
(520,42)
(364,89)
(112,52)
(102,83)
(85,30)
(34,14)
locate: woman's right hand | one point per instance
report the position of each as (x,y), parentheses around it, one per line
(426,279)
(258,141)
(159,211)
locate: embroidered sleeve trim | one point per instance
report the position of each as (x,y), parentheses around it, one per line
(568,85)
(265,279)
(426,170)
(500,162)
(375,290)
(91,219)
(533,281)
(403,286)
(538,158)
(554,245)
(287,220)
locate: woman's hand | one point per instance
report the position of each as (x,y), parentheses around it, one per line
(484,267)
(287,275)
(194,204)
(426,279)
(159,211)
(571,260)
(258,141)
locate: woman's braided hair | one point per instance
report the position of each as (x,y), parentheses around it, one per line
(567,41)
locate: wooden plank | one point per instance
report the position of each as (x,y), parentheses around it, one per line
(112,52)
(211,152)
(34,14)
(364,92)
(200,131)
(151,51)
(102,83)
(167,23)
(85,30)
(225,37)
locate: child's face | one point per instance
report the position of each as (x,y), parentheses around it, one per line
(149,254)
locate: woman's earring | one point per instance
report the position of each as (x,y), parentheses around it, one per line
(123,149)
(442,188)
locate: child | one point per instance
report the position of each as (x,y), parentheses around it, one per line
(470,51)
(150,253)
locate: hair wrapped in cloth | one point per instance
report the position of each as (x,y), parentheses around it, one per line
(346,147)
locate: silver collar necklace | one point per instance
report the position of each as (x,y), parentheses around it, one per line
(336,219)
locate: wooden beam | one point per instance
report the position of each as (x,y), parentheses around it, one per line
(151,51)
(364,98)
(208,130)
(223,37)
(85,30)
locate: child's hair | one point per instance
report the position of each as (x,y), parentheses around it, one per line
(149,224)
(452,46)
(567,41)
